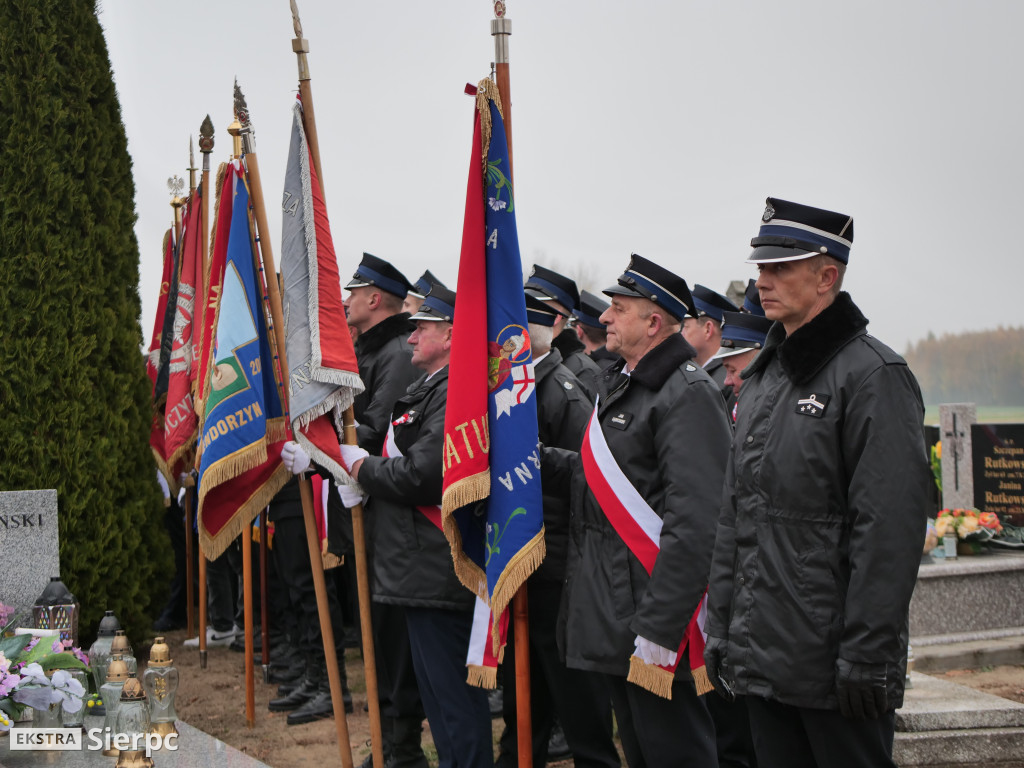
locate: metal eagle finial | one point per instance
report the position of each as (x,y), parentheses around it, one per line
(206,136)
(176,185)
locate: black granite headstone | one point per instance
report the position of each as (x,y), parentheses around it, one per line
(998,463)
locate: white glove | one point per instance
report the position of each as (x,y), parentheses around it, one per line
(652,653)
(295,459)
(163,484)
(181,495)
(350,495)
(350,454)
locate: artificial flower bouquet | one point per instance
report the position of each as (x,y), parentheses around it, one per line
(968,524)
(33,672)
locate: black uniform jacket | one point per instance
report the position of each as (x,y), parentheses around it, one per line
(563,410)
(576,359)
(385,366)
(823,514)
(412,559)
(667,428)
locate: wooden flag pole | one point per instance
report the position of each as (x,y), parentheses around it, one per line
(501,30)
(305,487)
(264,599)
(205,147)
(236,130)
(301,48)
(190,586)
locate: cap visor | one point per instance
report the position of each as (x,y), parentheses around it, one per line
(771,254)
(621,290)
(730,351)
(355,282)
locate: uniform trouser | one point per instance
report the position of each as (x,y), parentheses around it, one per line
(732,732)
(177,604)
(397,689)
(459,717)
(579,699)
(663,732)
(291,558)
(222,591)
(796,737)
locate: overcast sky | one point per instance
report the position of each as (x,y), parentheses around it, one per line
(650,127)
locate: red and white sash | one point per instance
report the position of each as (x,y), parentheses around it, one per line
(639,526)
(480,658)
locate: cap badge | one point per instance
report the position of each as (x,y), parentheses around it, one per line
(769,212)
(813,405)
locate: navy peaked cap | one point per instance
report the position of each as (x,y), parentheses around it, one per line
(741,332)
(553,286)
(791,231)
(439,305)
(711,303)
(539,312)
(380,273)
(752,300)
(647,280)
(590,309)
(421,287)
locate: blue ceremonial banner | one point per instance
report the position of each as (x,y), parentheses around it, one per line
(492,495)
(243,426)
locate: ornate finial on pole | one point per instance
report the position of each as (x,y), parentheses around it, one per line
(247,134)
(235,129)
(501,28)
(191,164)
(176,185)
(300,44)
(206,141)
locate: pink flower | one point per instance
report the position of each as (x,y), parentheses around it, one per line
(58,646)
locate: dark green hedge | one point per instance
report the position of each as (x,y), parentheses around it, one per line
(74,397)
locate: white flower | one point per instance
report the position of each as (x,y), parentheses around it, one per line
(496,204)
(69,689)
(33,673)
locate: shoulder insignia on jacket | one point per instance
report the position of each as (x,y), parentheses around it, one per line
(567,384)
(691,367)
(813,405)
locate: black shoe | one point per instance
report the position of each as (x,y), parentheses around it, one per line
(496,701)
(317,708)
(406,749)
(297,697)
(287,674)
(558,748)
(238,644)
(167,624)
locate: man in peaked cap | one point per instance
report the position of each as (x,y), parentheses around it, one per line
(819,540)
(645,506)
(418,292)
(752,300)
(591,331)
(703,330)
(562,295)
(374,308)
(743,336)
(579,700)
(413,562)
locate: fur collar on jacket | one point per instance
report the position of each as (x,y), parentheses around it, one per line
(383,332)
(812,345)
(655,367)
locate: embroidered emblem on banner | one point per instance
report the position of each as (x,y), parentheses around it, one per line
(813,405)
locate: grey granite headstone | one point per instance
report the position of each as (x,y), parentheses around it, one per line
(955,422)
(29,553)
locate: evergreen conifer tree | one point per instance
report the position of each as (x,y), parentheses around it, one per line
(74,397)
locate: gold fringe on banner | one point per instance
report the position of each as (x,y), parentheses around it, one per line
(487,90)
(214,546)
(650,677)
(482,677)
(701,680)
(525,562)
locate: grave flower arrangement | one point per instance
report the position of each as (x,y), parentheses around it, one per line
(968,524)
(33,672)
